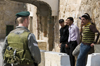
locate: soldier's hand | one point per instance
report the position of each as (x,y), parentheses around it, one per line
(92,45)
(66,45)
(60,45)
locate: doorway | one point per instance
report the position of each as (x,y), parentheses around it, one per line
(9,28)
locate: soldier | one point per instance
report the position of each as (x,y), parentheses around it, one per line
(20,46)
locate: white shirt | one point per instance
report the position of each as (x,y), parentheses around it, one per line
(74,33)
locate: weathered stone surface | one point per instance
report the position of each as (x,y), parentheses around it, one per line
(7,15)
(69,8)
(76,8)
(42,44)
(33,19)
(97,48)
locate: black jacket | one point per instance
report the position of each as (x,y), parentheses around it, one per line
(64,33)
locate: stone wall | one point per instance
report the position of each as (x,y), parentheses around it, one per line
(69,8)
(33,18)
(8,9)
(93,8)
(7,14)
(76,8)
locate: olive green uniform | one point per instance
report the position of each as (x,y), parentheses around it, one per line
(31,43)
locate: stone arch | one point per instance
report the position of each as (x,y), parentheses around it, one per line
(44,12)
(43,7)
(46,23)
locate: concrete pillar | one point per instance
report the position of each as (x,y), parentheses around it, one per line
(51,33)
(56,34)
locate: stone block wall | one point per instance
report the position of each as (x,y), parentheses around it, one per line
(76,8)
(8,10)
(93,8)
(69,8)
(7,14)
(42,44)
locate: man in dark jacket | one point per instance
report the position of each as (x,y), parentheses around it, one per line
(64,33)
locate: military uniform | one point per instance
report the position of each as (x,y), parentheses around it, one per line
(20,47)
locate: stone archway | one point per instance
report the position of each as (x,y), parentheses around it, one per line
(46,16)
(45,23)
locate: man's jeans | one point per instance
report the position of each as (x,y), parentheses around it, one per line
(84,49)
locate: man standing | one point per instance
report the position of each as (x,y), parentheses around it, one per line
(63,37)
(88,37)
(73,39)
(21,47)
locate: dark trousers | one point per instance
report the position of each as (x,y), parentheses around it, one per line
(72,46)
(63,49)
